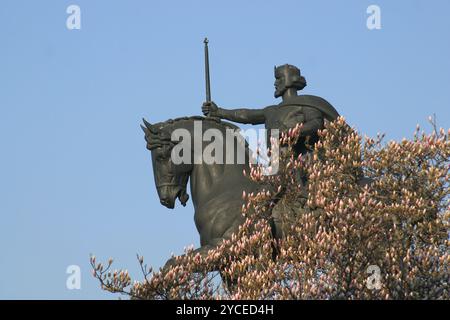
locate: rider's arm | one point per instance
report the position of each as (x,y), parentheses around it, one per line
(253,116)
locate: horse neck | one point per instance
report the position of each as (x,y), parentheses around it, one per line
(208,180)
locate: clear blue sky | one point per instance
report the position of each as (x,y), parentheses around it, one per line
(75,177)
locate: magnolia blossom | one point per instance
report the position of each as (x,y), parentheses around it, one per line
(398,224)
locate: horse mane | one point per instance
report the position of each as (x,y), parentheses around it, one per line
(161,137)
(201,118)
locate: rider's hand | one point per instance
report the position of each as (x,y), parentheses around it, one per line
(209,108)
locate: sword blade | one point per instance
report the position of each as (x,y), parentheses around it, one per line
(207,80)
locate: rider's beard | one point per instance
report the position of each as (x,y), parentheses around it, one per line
(279,91)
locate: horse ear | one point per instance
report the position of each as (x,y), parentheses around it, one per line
(144,129)
(149,126)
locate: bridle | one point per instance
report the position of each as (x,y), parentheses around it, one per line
(167,184)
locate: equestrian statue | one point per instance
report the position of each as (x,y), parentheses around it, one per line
(217,187)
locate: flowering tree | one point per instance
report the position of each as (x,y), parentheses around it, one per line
(370,223)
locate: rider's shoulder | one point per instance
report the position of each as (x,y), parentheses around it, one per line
(316,102)
(271,107)
(306,99)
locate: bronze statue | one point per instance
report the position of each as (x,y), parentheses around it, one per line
(217,188)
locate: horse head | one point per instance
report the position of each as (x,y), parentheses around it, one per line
(170,179)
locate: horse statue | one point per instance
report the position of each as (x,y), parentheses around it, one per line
(216,187)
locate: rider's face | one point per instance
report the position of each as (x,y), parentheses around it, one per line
(284,80)
(280,85)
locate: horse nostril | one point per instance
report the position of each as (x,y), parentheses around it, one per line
(165,202)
